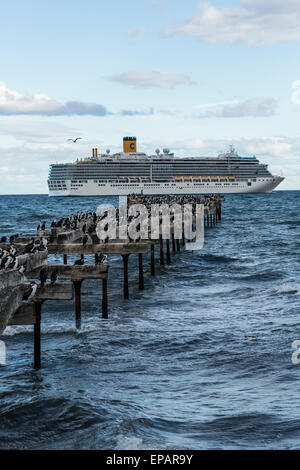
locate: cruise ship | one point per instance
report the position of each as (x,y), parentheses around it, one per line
(130,172)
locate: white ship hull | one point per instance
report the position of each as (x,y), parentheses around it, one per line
(92,188)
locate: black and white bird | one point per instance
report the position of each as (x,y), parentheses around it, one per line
(13,264)
(29,247)
(30,292)
(75,140)
(100,258)
(22,269)
(43,276)
(13,250)
(85,240)
(53,277)
(6,261)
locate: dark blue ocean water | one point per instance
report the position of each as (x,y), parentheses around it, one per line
(201,359)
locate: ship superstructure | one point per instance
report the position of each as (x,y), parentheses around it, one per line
(130,172)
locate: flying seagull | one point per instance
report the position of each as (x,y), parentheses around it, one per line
(75,140)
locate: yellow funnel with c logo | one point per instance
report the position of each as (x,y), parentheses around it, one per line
(129,144)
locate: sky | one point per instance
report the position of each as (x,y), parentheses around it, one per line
(191,76)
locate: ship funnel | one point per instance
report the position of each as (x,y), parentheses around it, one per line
(129,144)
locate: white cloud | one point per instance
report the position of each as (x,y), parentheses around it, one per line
(151,79)
(255,107)
(295,98)
(254,22)
(274,146)
(138,32)
(14,103)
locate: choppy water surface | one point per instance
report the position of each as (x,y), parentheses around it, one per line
(200,359)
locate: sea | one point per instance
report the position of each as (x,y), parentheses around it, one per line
(203,358)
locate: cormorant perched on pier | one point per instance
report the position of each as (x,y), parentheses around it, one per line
(12,238)
(29,247)
(30,292)
(79,262)
(43,276)
(22,269)
(100,258)
(85,240)
(54,277)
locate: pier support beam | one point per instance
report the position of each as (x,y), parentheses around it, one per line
(125,285)
(37,335)
(220,211)
(65,259)
(178,244)
(82,257)
(152,265)
(141,272)
(173,243)
(168,251)
(161,245)
(77,288)
(104,299)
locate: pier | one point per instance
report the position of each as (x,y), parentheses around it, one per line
(28,279)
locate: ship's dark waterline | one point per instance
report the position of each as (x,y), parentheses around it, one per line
(201,359)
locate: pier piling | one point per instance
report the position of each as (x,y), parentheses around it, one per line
(125,282)
(37,335)
(173,242)
(168,251)
(77,288)
(152,262)
(141,272)
(161,246)
(104,298)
